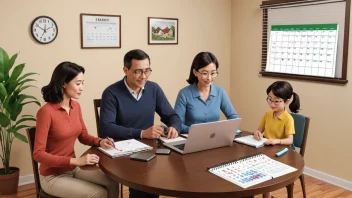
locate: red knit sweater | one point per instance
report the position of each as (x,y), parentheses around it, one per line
(56,133)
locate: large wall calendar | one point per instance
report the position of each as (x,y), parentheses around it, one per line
(308,49)
(100,31)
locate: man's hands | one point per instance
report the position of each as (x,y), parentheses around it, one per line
(155,131)
(88,159)
(171,133)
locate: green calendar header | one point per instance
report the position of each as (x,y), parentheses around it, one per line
(304,27)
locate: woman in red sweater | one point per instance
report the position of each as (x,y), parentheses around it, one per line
(59,124)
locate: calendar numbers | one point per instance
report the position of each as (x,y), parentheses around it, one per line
(308,49)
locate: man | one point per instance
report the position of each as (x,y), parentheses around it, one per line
(128,106)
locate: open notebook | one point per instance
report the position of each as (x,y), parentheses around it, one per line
(251,170)
(250,141)
(125,147)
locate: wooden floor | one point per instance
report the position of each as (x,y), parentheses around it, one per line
(314,187)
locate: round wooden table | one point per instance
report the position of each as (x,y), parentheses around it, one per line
(187,176)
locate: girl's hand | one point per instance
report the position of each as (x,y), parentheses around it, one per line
(272,142)
(258,135)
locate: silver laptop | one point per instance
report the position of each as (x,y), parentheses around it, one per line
(206,136)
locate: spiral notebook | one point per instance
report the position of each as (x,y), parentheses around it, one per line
(251,170)
(125,147)
(250,141)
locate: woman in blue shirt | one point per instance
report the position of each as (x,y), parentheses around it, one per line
(201,101)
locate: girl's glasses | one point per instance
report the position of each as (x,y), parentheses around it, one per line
(276,102)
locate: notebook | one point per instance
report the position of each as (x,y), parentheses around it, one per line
(250,141)
(251,170)
(125,147)
(165,140)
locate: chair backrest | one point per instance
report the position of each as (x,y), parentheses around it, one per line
(301,132)
(31,138)
(97,104)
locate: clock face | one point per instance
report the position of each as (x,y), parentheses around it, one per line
(44,29)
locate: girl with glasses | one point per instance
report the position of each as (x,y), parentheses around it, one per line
(277,124)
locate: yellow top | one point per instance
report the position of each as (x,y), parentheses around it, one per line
(277,128)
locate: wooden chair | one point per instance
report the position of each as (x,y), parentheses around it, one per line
(300,140)
(97,105)
(39,191)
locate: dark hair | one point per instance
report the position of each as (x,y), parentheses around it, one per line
(201,60)
(63,73)
(283,89)
(134,54)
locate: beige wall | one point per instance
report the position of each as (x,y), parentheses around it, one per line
(204,25)
(327,105)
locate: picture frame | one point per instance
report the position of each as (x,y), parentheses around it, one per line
(162,31)
(100,31)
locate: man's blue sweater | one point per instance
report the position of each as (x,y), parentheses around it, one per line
(123,117)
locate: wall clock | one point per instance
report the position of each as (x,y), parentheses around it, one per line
(44,29)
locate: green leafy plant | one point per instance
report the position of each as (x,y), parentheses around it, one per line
(12,101)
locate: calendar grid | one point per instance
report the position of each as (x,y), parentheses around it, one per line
(306,49)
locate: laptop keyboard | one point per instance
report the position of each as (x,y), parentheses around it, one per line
(180,146)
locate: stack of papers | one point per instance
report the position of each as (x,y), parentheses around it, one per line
(165,140)
(125,147)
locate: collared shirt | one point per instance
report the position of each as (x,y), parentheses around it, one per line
(56,134)
(134,94)
(193,110)
(277,128)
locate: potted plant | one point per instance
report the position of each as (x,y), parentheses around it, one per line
(12,101)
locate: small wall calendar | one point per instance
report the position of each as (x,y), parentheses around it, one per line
(251,170)
(308,49)
(100,31)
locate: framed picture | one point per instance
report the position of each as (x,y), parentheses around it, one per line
(162,31)
(100,31)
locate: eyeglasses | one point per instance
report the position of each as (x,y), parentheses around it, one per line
(276,102)
(138,72)
(206,74)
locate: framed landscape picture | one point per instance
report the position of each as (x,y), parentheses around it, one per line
(162,31)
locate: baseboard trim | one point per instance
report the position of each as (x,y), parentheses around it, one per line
(29,179)
(328,178)
(26,179)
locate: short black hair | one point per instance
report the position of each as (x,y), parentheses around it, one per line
(201,60)
(284,90)
(63,73)
(134,54)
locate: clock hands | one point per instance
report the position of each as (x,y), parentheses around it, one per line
(44,31)
(40,27)
(42,35)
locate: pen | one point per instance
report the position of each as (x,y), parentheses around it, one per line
(112,143)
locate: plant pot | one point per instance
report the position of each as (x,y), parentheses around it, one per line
(9,183)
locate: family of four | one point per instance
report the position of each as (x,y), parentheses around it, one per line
(127,111)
